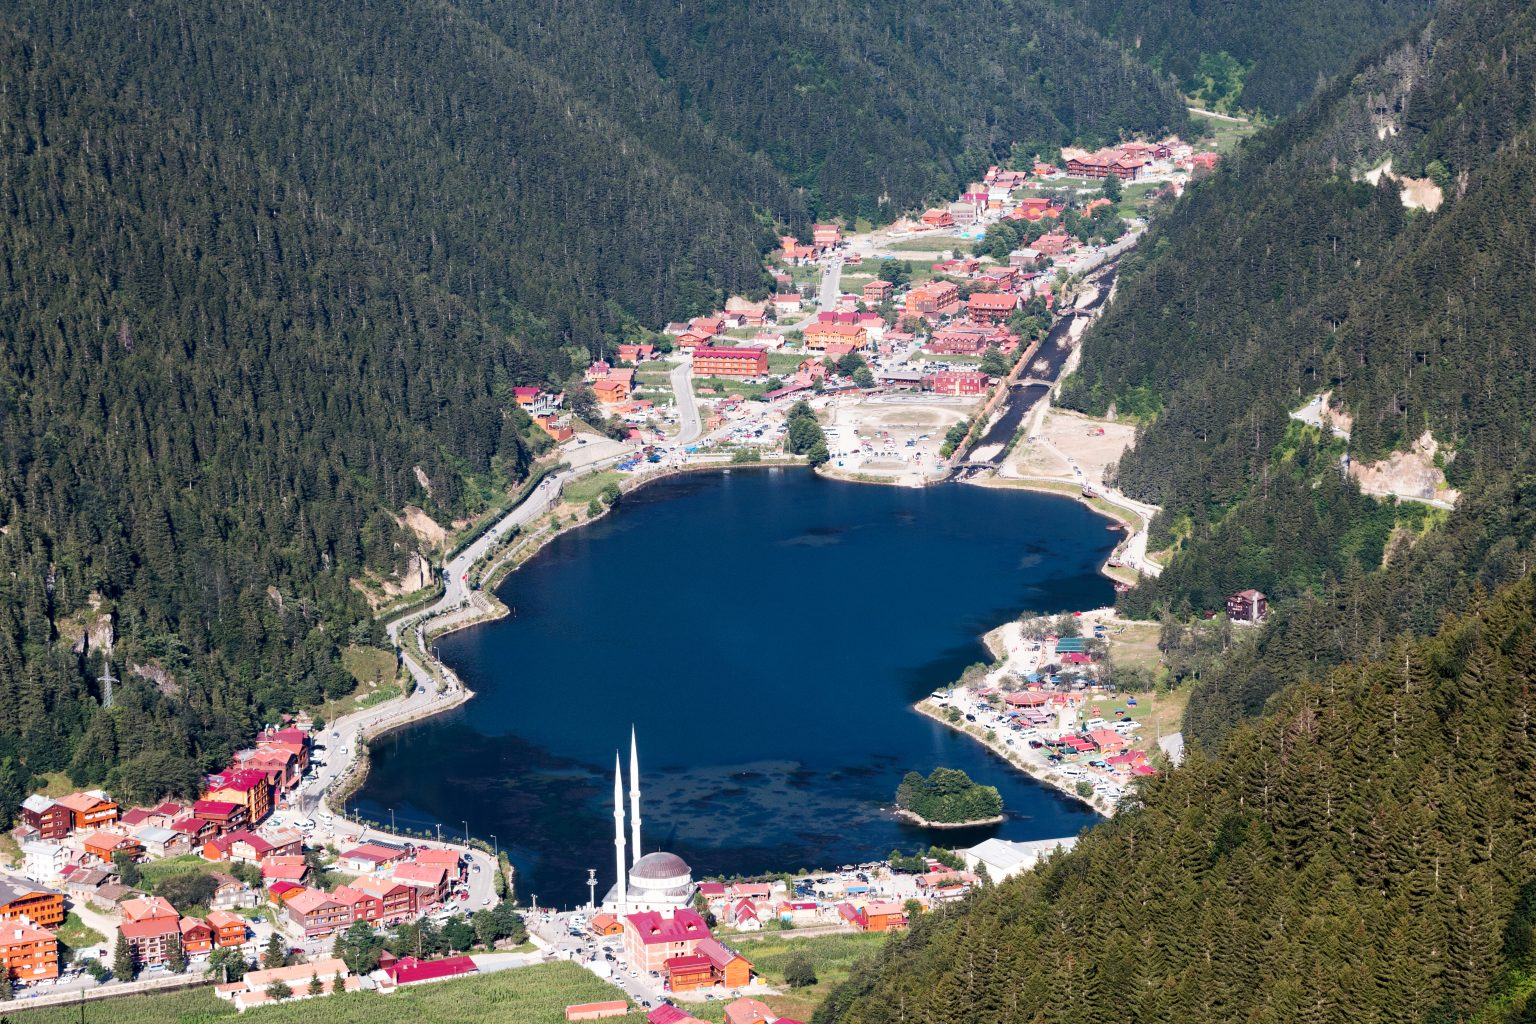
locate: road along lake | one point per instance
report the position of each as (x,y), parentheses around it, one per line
(766,631)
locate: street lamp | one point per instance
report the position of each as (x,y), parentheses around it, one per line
(439,831)
(496,850)
(466,833)
(392,819)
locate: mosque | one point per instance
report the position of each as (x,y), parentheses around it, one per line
(661,882)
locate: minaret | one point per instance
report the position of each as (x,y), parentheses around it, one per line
(634,797)
(618,834)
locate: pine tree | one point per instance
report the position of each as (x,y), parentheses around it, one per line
(175,955)
(316,986)
(276,953)
(124,962)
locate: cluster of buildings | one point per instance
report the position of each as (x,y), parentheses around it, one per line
(394,883)
(152,926)
(740,1011)
(824,237)
(545,407)
(330,975)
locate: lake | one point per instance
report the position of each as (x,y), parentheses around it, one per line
(766,631)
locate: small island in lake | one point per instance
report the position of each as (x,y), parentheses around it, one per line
(948,798)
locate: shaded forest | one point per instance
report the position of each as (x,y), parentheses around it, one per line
(1267,57)
(268,275)
(1362,853)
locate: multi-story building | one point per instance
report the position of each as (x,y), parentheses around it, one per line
(27,953)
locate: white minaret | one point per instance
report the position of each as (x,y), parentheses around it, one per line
(634,797)
(618,834)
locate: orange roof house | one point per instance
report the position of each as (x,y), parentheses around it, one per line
(148,908)
(606,924)
(939,219)
(91,809)
(819,335)
(244,786)
(151,938)
(196,936)
(884,917)
(27,954)
(991,307)
(611,390)
(103,845)
(749,1011)
(228,929)
(941,298)
(876,292)
(40,905)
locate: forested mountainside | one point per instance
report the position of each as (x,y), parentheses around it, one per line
(867,108)
(1266,57)
(1284,276)
(267,275)
(1363,853)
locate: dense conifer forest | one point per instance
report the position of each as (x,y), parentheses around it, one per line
(268,274)
(1267,57)
(1351,837)
(1362,853)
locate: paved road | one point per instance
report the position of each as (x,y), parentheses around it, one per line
(690,425)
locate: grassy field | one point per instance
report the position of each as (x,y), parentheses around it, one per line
(1227,134)
(720,387)
(156,871)
(530,995)
(584,489)
(832,955)
(782,363)
(76,934)
(930,243)
(369,664)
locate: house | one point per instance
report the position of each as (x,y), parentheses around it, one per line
(956,382)
(877,291)
(397,901)
(197,831)
(611,391)
(1053,244)
(791,251)
(1247,606)
(603,925)
(787,302)
(40,905)
(596,1011)
(251,990)
(229,892)
(710,361)
(44,861)
(430,881)
(52,819)
(91,809)
(410,971)
(313,912)
(965,338)
(1204,161)
(1002,859)
(104,845)
(27,954)
(636,353)
(228,929)
(361,905)
(161,842)
(936,298)
(744,918)
(447,859)
(824,236)
(666,1013)
(196,936)
(371,857)
(284,869)
(748,1011)
(884,917)
(728,967)
(150,937)
(1108,741)
(746,312)
(819,335)
(243,786)
(991,307)
(148,908)
(84,884)
(651,939)
(938,219)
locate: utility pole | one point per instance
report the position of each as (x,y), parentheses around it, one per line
(392,819)
(591,890)
(439,831)
(106,680)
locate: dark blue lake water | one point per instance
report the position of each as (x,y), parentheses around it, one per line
(767,632)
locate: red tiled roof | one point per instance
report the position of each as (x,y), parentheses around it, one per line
(680,927)
(151,927)
(408,969)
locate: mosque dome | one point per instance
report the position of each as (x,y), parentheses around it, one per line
(660,871)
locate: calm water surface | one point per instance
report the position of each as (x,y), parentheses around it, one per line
(766,631)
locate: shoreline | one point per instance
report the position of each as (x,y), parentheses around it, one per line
(918,819)
(1039,773)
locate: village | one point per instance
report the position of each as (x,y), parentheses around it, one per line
(898,338)
(901,343)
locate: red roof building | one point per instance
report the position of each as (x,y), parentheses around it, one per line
(991,307)
(709,361)
(410,971)
(651,939)
(957,382)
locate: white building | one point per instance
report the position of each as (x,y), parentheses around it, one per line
(658,881)
(44,861)
(1004,859)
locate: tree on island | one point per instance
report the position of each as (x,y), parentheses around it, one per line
(948,796)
